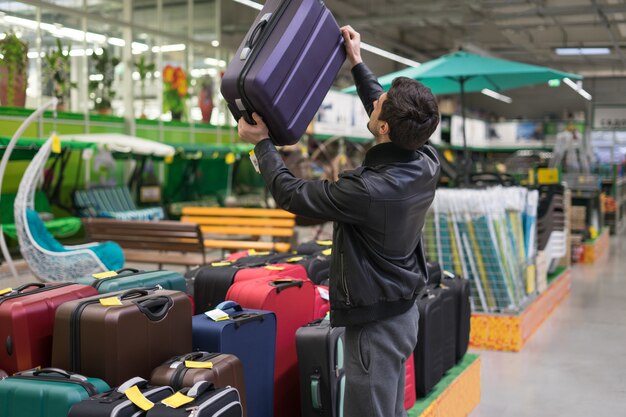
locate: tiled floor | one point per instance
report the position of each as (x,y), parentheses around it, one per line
(575,365)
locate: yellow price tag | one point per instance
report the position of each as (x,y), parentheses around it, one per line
(168,159)
(327,252)
(548,176)
(56,144)
(199,365)
(274,268)
(221,263)
(110,301)
(230,158)
(324,242)
(6,291)
(177,400)
(252,252)
(295,259)
(137,398)
(102,275)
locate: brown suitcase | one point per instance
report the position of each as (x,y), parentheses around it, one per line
(186,370)
(118,342)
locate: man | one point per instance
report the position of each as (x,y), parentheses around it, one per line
(378,264)
(571,146)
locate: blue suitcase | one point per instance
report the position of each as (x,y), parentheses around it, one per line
(251,336)
(129,278)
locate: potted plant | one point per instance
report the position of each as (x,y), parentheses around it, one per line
(100,90)
(57,71)
(175,91)
(143,69)
(13,68)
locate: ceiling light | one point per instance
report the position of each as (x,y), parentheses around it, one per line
(169,48)
(250,3)
(116,42)
(215,62)
(578,88)
(582,51)
(497,96)
(215,43)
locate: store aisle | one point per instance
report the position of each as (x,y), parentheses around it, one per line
(575,364)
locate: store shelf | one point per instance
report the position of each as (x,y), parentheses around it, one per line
(596,249)
(456,395)
(507,332)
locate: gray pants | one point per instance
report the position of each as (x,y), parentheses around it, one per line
(376,354)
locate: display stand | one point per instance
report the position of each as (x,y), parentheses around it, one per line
(511,332)
(456,395)
(595,249)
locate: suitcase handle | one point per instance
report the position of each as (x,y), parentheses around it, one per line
(284,284)
(65,374)
(140,382)
(247,318)
(254,37)
(193,356)
(134,294)
(229,305)
(133,270)
(316,396)
(32,284)
(155,308)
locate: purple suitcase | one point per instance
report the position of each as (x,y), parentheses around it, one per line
(285,66)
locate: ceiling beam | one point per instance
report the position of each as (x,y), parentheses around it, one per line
(616,48)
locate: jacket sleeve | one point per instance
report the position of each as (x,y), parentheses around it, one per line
(367,86)
(346,200)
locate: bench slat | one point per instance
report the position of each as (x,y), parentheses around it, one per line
(254,231)
(239,221)
(246,244)
(236,212)
(165,257)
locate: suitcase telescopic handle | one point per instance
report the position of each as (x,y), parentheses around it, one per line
(284,284)
(155,308)
(254,37)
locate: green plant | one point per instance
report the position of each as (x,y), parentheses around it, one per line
(14,54)
(143,69)
(57,70)
(101,91)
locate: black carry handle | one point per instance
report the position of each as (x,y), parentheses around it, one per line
(155,308)
(254,37)
(57,371)
(134,293)
(286,283)
(133,270)
(247,318)
(194,356)
(32,284)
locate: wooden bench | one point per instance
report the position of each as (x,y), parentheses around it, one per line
(162,242)
(236,228)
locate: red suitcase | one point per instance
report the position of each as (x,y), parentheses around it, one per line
(410,394)
(293,303)
(322,302)
(27,321)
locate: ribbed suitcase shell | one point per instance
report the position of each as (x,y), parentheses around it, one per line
(27,322)
(410,394)
(428,353)
(321,364)
(128,278)
(45,394)
(116,343)
(226,371)
(250,335)
(293,302)
(296,50)
(461,289)
(450,318)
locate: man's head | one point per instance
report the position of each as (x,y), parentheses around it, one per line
(407,115)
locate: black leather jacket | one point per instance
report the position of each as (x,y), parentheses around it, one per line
(378,263)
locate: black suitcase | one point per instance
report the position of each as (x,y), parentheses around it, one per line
(449,329)
(428,352)
(314,246)
(317,265)
(117,402)
(461,288)
(320,360)
(206,401)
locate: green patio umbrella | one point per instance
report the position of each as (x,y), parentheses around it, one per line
(463,72)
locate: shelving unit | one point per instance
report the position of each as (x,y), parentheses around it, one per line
(615,187)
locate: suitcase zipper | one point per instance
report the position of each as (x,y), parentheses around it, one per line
(226,408)
(212,400)
(255,52)
(75,361)
(90,388)
(181,371)
(40,290)
(344,282)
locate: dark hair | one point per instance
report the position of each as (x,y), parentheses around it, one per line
(411,111)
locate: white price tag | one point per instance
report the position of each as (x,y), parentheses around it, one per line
(323,293)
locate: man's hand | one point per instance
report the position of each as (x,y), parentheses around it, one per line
(253,134)
(352,42)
